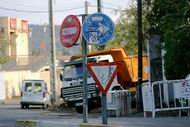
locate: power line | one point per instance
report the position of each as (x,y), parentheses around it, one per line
(18,4)
(69,9)
(111,4)
(108,3)
(109,8)
(39,11)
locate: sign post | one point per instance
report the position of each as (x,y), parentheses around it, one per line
(98,29)
(85,99)
(104,74)
(69,34)
(104,109)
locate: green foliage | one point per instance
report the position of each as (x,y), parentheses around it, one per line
(126,30)
(170,19)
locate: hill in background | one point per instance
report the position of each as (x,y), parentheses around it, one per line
(39,41)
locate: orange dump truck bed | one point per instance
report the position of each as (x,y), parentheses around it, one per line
(128,65)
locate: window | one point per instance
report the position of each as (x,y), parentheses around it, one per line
(37,87)
(28,87)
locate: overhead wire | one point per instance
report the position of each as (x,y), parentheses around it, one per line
(39,11)
(109,8)
(18,4)
(108,3)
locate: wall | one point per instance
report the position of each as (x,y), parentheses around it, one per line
(2,87)
(13,81)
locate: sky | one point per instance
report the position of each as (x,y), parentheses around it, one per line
(36,11)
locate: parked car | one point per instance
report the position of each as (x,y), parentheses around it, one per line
(34,92)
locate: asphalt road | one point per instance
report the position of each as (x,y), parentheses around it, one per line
(9,113)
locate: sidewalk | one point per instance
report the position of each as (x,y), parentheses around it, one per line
(12,101)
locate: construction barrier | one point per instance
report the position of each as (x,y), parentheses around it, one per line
(166,96)
(119,101)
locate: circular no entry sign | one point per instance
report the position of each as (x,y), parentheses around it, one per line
(70,31)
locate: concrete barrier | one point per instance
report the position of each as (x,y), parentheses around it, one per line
(36,123)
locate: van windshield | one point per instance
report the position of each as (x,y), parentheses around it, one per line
(37,87)
(28,87)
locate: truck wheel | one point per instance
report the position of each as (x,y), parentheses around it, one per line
(79,109)
(45,106)
(22,106)
(27,106)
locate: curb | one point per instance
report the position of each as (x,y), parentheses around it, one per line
(95,125)
(36,123)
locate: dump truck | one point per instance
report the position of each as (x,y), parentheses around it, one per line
(72,77)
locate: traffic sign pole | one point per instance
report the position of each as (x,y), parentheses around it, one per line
(103,73)
(85,99)
(104,109)
(98,29)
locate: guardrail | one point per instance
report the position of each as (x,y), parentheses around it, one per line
(120,102)
(166,96)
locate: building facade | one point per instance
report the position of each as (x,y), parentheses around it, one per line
(14,31)
(22,66)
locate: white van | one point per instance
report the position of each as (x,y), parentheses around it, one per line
(34,92)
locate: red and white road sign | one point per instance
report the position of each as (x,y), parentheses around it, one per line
(103,73)
(70,31)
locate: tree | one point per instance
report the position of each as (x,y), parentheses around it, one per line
(126,30)
(170,19)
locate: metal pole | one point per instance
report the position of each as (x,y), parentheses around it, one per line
(99,7)
(149,65)
(140,40)
(52,53)
(86,7)
(86,12)
(85,99)
(104,109)
(163,52)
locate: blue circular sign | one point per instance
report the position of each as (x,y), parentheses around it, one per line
(98,29)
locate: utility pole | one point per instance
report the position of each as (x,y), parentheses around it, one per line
(140,41)
(86,7)
(85,92)
(52,53)
(99,6)
(99,9)
(86,13)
